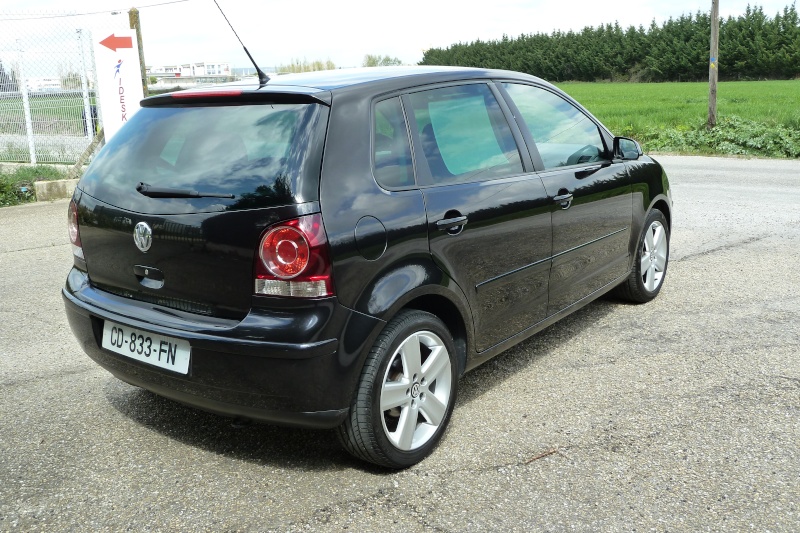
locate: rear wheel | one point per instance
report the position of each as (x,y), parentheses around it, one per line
(650,263)
(406,393)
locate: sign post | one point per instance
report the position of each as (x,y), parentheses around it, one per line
(118,79)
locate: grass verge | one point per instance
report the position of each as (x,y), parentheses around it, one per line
(16,184)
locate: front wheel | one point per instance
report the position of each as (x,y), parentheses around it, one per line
(650,263)
(406,393)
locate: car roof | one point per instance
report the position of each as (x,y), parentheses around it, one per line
(336,79)
(319,84)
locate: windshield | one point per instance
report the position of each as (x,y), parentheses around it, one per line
(264,155)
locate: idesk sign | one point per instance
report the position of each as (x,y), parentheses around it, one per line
(119,84)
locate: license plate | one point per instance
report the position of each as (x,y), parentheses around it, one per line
(157,350)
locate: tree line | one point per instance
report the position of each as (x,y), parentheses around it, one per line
(8,82)
(752,46)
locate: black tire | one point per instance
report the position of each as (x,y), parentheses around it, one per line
(424,398)
(653,250)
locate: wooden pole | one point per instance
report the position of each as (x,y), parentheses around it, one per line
(713,66)
(133,17)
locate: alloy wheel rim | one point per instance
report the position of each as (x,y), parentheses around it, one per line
(654,256)
(415,391)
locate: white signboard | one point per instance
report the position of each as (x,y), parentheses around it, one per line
(119,79)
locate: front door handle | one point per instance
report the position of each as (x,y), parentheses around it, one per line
(564,198)
(451,225)
(588,171)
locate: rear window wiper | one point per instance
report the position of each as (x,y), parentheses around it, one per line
(168,192)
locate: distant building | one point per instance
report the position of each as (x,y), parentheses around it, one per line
(241,72)
(189,74)
(37,85)
(168,70)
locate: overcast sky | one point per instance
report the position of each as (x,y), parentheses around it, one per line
(344,31)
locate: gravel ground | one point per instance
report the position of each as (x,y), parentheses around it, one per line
(682,414)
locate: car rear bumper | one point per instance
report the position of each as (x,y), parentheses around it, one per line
(237,368)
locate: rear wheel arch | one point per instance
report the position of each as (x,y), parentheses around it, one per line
(446,311)
(423,286)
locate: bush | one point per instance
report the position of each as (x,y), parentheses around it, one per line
(13,192)
(731,136)
(16,186)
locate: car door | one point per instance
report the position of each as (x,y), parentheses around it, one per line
(488,213)
(590,194)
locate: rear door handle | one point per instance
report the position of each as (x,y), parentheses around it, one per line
(564,199)
(450,224)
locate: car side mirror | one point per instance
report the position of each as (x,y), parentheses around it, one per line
(627,149)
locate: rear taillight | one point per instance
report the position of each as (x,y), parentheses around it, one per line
(293,260)
(74,231)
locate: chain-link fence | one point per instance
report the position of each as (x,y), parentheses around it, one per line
(48,111)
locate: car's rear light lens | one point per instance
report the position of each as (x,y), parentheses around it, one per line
(285,252)
(74,230)
(293,260)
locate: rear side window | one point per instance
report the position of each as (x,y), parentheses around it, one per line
(263,155)
(564,135)
(464,134)
(391,148)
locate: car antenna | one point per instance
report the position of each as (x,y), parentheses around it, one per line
(262,78)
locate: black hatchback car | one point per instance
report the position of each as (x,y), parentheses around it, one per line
(334,249)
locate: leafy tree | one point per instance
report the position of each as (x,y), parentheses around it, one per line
(8,82)
(378,61)
(752,46)
(71,81)
(305,66)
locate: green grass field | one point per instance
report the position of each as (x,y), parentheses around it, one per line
(635,107)
(755,118)
(56,115)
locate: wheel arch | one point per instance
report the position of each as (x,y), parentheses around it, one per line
(422,285)
(446,311)
(662,205)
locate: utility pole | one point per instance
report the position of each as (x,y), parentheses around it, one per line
(713,66)
(133,17)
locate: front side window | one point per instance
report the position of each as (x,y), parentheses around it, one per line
(563,135)
(464,135)
(391,149)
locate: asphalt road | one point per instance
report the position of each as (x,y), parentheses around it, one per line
(679,415)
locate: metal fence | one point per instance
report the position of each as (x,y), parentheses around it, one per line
(48,112)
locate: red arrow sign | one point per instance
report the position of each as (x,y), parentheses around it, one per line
(113,42)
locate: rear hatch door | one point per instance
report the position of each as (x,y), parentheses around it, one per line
(173,208)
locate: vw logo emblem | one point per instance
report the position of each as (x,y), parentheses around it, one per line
(143,236)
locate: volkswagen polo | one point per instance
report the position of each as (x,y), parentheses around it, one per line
(335,249)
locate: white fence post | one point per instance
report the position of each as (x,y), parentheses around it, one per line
(87,111)
(26,104)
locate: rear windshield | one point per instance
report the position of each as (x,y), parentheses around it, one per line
(264,155)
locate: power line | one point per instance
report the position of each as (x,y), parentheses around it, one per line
(63,15)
